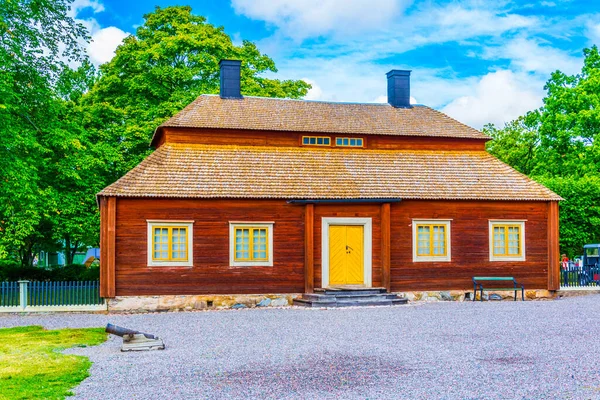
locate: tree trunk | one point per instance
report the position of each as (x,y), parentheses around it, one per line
(68,257)
(26,256)
(70,251)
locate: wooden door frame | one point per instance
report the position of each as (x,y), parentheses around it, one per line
(367,224)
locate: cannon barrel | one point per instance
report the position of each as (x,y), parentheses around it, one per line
(120,331)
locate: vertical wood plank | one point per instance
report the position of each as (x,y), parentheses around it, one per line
(103,204)
(553,247)
(309,249)
(386,253)
(107,246)
(111,232)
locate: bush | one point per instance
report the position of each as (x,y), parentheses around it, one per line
(73,272)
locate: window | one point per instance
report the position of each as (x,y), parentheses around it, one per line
(316,141)
(507,240)
(349,142)
(251,244)
(170,243)
(431,240)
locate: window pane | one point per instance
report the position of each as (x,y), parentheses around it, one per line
(338,141)
(305,140)
(359,142)
(352,142)
(326,141)
(319,140)
(345,142)
(313,140)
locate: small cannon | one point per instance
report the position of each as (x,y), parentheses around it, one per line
(135,340)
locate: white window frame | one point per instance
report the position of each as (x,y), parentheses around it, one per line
(257,224)
(429,258)
(176,224)
(521,223)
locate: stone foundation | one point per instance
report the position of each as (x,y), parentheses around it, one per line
(197,302)
(464,295)
(211,302)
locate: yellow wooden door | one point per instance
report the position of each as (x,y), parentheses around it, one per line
(346,255)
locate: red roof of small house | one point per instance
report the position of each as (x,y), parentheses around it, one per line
(209,171)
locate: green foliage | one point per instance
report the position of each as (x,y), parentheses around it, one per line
(558,145)
(32,366)
(516,144)
(66,133)
(37,141)
(72,272)
(172,59)
(579,212)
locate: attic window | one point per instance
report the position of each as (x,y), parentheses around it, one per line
(349,142)
(316,141)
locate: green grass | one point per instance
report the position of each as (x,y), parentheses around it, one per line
(32,367)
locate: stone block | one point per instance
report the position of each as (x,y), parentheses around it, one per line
(280,302)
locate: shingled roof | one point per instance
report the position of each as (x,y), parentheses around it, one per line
(261,113)
(208,171)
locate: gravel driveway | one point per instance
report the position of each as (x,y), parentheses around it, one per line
(489,350)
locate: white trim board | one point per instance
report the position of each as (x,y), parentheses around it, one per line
(367,223)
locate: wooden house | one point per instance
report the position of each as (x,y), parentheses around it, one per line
(250,195)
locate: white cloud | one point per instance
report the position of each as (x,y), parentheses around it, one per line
(458,22)
(300,19)
(79,5)
(104,43)
(593,32)
(530,55)
(498,97)
(315,92)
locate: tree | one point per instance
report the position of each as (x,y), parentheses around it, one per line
(172,59)
(579,212)
(37,41)
(516,144)
(558,146)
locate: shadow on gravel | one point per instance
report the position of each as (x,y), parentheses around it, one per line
(331,374)
(518,360)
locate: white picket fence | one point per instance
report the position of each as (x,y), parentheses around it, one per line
(31,296)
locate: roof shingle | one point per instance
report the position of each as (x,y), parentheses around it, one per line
(207,171)
(261,113)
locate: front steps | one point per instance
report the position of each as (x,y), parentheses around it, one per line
(345,297)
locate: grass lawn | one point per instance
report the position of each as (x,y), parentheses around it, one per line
(32,367)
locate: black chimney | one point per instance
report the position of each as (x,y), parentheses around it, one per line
(399,88)
(230,79)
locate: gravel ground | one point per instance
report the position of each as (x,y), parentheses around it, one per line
(445,350)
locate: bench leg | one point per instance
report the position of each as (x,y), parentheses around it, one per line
(516,294)
(474,291)
(523,294)
(481,294)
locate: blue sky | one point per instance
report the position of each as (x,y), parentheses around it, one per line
(479,61)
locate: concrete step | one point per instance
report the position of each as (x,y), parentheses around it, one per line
(350,291)
(357,296)
(310,303)
(348,298)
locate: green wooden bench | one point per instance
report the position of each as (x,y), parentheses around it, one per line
(478,285)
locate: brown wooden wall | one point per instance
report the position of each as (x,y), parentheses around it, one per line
(470,244)
(348,211)
(211,273)
(292,139)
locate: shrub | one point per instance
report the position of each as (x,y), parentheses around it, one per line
(72,272)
